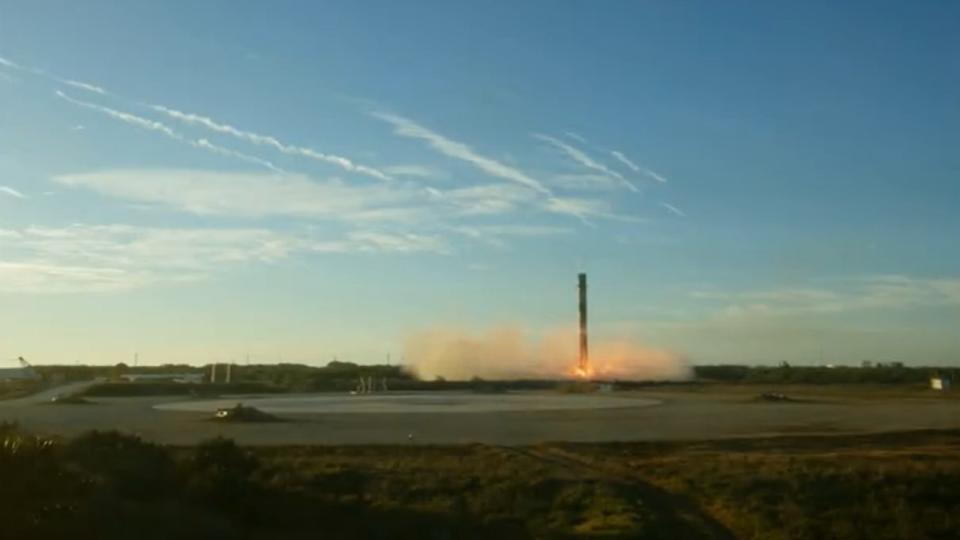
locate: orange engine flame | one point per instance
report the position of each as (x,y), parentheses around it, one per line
(582,373)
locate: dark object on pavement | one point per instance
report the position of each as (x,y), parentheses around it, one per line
(776,398)
(240,413)
(69,399)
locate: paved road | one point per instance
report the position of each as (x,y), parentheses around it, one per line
(46,395)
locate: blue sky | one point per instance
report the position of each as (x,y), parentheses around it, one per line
(743,182)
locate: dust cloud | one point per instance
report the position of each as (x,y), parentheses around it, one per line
(508,353)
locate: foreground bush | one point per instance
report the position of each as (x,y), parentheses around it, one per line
(108,485)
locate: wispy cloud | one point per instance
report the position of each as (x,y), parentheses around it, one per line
(270,141)
(451,202)
(497,234)
(673,209)
(209,123)
(949,288)
(863,293)
(85,86)
(589,181)
(636,168)
(159,127)
(9,63)
(132,246)
(458,150)
(582,158)
(575,137)
(298,196)
(7,190)
(391,242)
(254,194)
(227,152)
(486,199)
(132,119)
(655,176)
(626,161)
(103,258)
(587,208)
(479,267)
(578,207)
(415,171)
(522,230)
(46,278)
(46,74)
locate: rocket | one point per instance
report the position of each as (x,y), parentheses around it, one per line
(583,363)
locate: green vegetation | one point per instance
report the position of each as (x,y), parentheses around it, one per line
(254,379)
(344,376)
(888,486)
(787,374)
(19,389)
(118,389)
(104,485)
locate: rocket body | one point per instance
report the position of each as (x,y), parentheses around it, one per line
(583,363)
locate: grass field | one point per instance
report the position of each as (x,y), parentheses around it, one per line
(103,485)
(19,389)
(885,486)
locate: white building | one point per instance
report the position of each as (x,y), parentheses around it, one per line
(939,383)
(17,370)
(195,378)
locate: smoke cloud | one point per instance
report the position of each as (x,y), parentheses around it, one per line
(507,353)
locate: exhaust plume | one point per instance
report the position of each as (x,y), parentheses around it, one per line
(506,353)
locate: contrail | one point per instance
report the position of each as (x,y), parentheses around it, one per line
(267,140)
(159,127)
(36,71)
(12,192)
(209,123)
(636,168)
(582,158)
(673,209)
(85,86)
(9,63)
(405,127)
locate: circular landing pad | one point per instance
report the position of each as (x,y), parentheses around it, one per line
(428,402)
